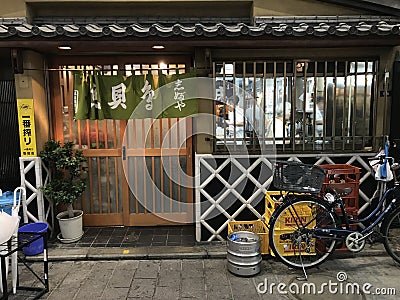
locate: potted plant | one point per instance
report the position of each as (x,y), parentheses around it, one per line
(67,182)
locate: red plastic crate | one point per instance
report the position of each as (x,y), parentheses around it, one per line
(342,176)
(341,171)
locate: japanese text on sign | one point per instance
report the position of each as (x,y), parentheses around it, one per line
(26,123)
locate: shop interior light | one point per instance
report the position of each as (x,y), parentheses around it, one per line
(64,47)
(158,47)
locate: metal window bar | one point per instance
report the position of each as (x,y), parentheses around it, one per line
(285,90)
(245,123)
(354,106)
(325,108)
(274,96)
(294,98)
(344,123)
(365,121)
(346,103)
(255,125)
(305,119)
(314,107)
(235,119)
(334,105)
(223,98)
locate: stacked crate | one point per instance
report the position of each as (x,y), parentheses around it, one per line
(272,200)
(340,176)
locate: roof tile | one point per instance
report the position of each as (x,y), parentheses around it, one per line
(273,28)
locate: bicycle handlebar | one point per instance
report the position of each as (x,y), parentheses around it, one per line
(381,159)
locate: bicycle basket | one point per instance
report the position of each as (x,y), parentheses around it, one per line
(298,177)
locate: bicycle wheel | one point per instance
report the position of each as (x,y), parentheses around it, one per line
(292,235)
(391,232)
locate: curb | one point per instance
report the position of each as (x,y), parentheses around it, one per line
(167,252)
(117,253)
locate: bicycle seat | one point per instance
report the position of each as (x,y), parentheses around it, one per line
(338,191)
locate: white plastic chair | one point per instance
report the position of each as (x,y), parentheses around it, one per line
(10,223)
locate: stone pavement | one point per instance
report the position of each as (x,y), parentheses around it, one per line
(174,276)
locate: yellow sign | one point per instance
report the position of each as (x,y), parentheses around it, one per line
(26,123)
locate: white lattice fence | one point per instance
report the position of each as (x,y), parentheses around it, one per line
(227,185)
(31,168)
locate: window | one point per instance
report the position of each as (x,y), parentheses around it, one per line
(299,105)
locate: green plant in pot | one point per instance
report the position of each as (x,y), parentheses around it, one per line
(67,167)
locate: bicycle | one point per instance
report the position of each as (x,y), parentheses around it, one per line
(306,228)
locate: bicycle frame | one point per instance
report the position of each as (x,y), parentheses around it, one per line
(313,222)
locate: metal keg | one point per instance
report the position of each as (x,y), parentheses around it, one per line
(244,255)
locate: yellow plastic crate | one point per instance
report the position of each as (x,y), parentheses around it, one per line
(257,226)
(286,248)
(287,223)
(272,201)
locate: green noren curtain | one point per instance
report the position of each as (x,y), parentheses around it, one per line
(138,96)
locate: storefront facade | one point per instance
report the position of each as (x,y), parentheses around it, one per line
(288,56)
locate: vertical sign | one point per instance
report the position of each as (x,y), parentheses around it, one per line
(26,124)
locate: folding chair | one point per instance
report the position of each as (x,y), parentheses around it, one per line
(11,222)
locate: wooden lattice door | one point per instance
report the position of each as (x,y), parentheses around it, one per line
(129,183)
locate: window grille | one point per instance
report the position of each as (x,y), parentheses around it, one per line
(299,105)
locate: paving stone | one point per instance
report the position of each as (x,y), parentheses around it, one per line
(121,278)
(90,290)
(127,265)
(195,284)
(173,279)
(192,268)
(75,277)
(274,297)
(61,294)
(193,293)
(216,278)
(239,280)
(243,287)
(168,266)
(57,272)
(147,269)
(26,278)
(115,293)
(142,287)
(218,264)
(100,277)
(244,294)
(193,287)
(163,292)
(104,266)
(219,292)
